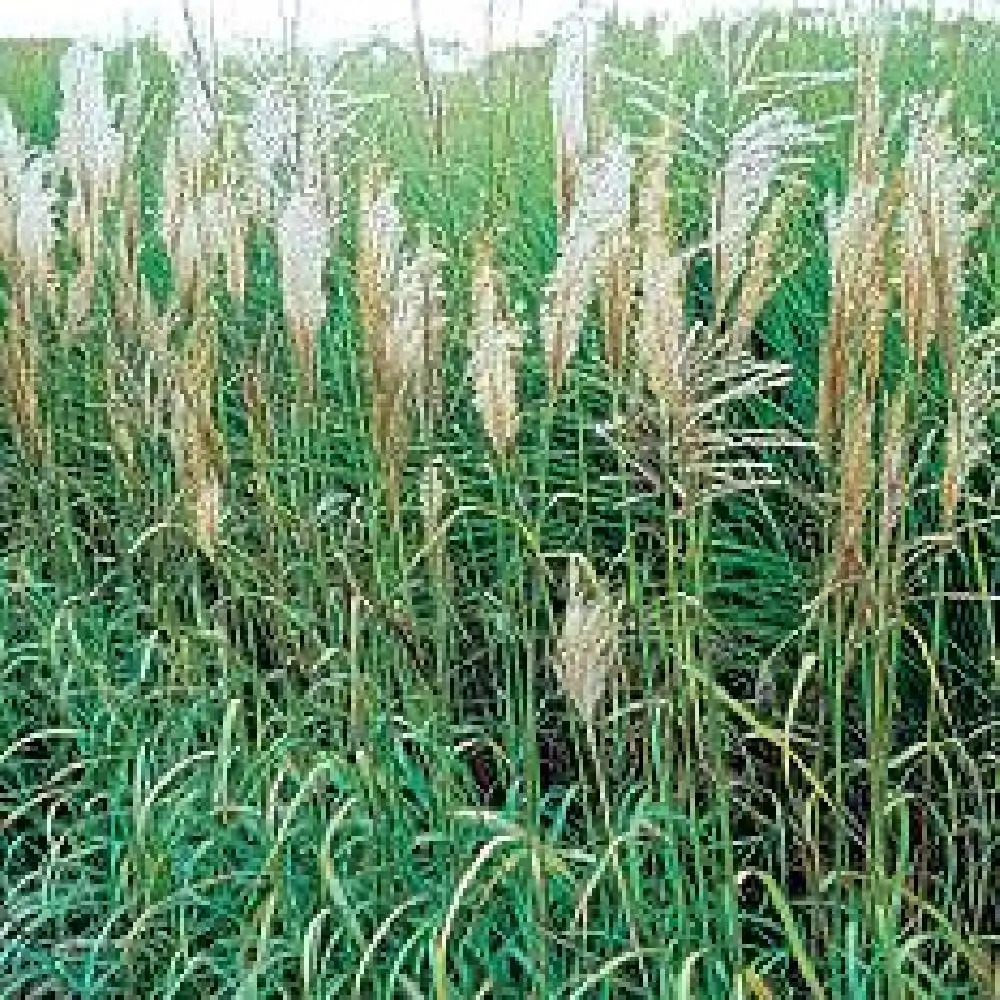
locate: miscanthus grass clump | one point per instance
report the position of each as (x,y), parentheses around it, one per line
(524,532)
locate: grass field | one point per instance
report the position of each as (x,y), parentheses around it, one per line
(525,532)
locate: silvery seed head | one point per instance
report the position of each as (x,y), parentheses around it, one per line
(90,147)
(568,87)
(304,245)
(35,230)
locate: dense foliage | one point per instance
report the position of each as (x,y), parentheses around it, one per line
(453,552)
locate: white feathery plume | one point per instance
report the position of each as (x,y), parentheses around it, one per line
(90,148)
(35,233)
(757,154)
(383,229)
(587,648)
(601,209)
(493,370)
(304,247)
(978,397)
(568,96)
(12,157)
(568,86)
(270,132)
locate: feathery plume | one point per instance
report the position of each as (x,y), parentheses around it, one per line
(976,398)
(90,148)
(198,446)
(695,374)
(400,311)
(496,345)
(936,181)
(859,303)
(568,96)
(757,155)
(427,263)
(601,210)
(587,646)
(35,233)
(304,246)
(193,122)
(894,471)
(12,160)
(493,369)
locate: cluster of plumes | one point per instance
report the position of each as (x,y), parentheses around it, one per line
(587,647)
(292,123)
(593,237)
(495,343)
(90,148)
(27,214)
(205,217)
(27,245)
(924,208)
(851,354)
(401,310)
(91,153)
(304,248)
(696,372)
(935,225)
(568,92)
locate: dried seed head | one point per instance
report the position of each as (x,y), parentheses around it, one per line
(661,329)
(859,303)
(198,446)
(12,160)
(587,647)
(868,132)
(493,369)
(662,340)
(975,397)
(379,251)
(295,117)
(697,376)
(495,342)
(758,282)
(936,183)
(432,504)
(19,372)
(616,299)
(399,308)
(486,295)
(270,135)
(894,470)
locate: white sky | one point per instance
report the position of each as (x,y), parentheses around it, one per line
(329,20)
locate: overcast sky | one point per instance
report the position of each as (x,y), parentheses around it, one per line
(328,20)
